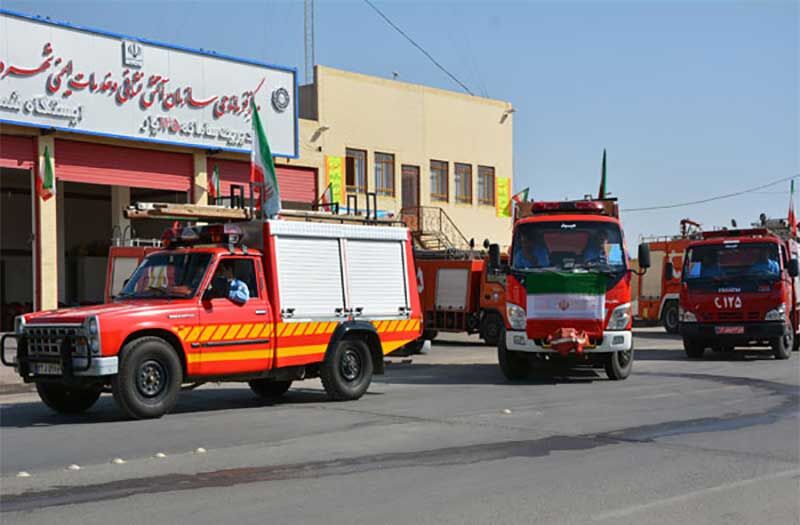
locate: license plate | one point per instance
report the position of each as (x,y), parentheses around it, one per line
(47,369)
(730,330)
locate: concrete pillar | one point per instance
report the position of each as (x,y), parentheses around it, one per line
(47,238)
(120,199)
(200,188)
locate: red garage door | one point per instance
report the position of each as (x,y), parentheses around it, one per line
(16,152)
(121,166)
(296,184)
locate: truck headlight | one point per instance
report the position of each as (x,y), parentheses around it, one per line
(516,316)
(92,329)
(778,314)
(19,325)
(620,317)
(686,316)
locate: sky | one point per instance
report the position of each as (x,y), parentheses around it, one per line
(691,99)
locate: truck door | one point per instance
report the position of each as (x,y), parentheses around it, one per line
(238,335)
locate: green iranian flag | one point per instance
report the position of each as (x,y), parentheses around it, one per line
(566,295)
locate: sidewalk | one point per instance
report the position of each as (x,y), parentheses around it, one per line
(10,382)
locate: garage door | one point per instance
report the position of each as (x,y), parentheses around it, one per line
(296,184)
(121,166)
(16,152)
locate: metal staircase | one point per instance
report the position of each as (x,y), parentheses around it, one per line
(432,229)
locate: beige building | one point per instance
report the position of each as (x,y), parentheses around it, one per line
(412,145)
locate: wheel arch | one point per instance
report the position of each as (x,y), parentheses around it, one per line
(161,333)
(363,331)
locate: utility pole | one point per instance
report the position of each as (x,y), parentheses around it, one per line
(308,11)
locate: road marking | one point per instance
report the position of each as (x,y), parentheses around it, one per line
(634,509)
(74,467)
(23,474)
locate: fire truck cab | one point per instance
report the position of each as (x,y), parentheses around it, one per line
(568,288)
(739,288)
(325,297)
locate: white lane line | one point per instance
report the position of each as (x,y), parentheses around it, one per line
(627,511)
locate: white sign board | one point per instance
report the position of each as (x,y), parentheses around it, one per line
(57,76)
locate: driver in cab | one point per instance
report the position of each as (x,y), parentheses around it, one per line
(765,264)
(531,252)
(225,280)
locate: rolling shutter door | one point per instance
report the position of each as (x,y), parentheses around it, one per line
(296,184)
(122,166)
(16,152)
(310,276)
(365,261)
(451,289)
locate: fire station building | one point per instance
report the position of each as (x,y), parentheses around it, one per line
(122,119)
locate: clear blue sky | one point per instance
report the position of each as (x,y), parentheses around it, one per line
(691,99)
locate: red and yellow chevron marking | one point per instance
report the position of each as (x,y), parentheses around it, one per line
(297,343)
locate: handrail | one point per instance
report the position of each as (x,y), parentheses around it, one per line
(434,221)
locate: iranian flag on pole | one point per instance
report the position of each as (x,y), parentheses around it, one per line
(46,178)
(555,296)
(262,168)
(214,184)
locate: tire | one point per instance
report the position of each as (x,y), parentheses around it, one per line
(782,346)
(491,328)
(429,335)
(796,344)
(67,400)
(514,365)
(669,317)
(149,378)
(693,349)
(619,365)
(269,388)
(347,369)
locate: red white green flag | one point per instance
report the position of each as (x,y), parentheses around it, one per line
(46,178)
(792,219)
(262,167)
(214,184)
(520,197)
(326,199)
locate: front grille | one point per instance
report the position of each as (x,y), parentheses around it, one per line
(47,340)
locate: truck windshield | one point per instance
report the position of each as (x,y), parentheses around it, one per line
(167,275)
(732,260)
(575,245)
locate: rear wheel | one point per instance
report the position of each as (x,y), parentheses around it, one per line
(514,365)
(149,378)
(269,388)
(491,327)
(67,400)
(693,349)
(782,346)
(619,364)
(669,317)
(346,371)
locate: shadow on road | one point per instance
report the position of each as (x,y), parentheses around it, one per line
(484,374)
(709,356)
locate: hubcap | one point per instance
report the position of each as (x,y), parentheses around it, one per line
(350,365)
(152,378)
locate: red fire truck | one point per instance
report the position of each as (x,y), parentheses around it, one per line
(739,288)
(459,293)
(568,288)
(328,297)
(657,297)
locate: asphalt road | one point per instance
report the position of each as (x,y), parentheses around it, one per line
(709,441)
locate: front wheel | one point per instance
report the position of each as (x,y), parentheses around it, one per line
(514,365)
(149,378)
(346,371)
(491,328)
(670,317)
(693,349)
(67,400)
(619,365)
(782,346)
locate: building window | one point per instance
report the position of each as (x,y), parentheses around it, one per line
(439,181)
(356,170)
(384,174)
(463,183)
(486,185)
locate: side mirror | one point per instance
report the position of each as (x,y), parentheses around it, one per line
(494,257)
(793,267)
(208,294)
(644,256)
(669,271)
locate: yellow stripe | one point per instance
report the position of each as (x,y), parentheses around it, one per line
(391,346)
(232,331)
(403,326)
(257,330)
(381,326)
(332,327)
(302,328)
(228,356)
(207,333)
(393,327)
(244,331)
(282,329)
(193,335)
(291,351)
(183,331)
(219,332)
(290,328)
(321,327)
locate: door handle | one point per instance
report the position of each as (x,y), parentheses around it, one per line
(261,312)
